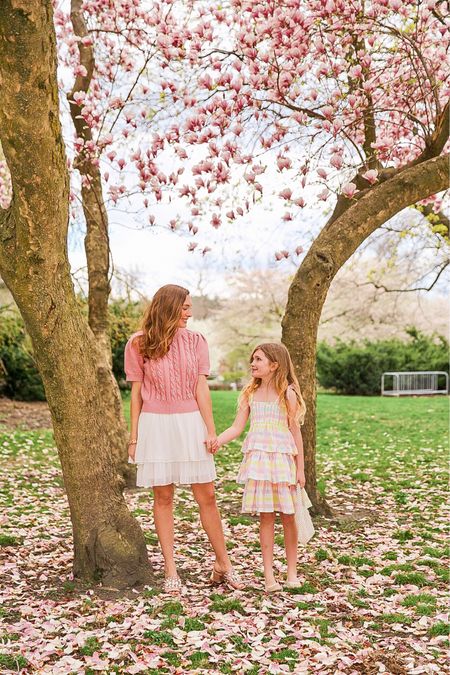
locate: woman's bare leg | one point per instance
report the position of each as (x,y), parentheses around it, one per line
(209,515)
(163,514)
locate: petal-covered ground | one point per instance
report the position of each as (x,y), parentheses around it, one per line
(374,578)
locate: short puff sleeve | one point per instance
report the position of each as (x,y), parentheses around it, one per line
(202,355)
(134,361)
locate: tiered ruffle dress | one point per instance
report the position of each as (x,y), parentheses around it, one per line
(268,469)
(171,431)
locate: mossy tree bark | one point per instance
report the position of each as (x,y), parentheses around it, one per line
(108,542)
(349,226)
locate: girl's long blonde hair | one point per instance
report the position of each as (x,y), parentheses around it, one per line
(283,378)
(160,321)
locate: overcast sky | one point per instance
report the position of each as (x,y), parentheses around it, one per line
(157,256)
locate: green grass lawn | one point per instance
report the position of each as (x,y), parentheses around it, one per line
(374,578)
(365,438)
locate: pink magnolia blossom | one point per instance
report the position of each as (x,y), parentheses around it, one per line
(236,109)
(371,176)
(80,70)
(355,72)
(79,97)
(348,190)
(283,163)
(336,161)
(215,221)
(280,255)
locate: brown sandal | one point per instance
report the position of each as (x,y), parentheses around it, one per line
(230,578)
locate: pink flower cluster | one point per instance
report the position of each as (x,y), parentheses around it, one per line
(313,92)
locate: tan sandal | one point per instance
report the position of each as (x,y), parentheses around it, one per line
(273,588)
(229,578)
(172,585)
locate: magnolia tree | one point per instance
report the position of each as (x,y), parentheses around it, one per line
(108,543)
(109,55)
(344,103)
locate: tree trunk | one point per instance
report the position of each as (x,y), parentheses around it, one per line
(108,542)
(336,243)
(97,227)
(97,249)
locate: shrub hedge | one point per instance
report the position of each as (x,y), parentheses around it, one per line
(345,367)
(19,376)
(356,367)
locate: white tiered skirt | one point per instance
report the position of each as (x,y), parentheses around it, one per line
(171,449)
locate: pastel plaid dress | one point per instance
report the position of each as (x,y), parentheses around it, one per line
(268,469)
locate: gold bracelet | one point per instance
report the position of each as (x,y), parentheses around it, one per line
(133,442)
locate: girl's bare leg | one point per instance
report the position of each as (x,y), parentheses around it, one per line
(290,544)
(266,538)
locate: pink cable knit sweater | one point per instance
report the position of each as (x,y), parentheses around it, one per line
(169,383)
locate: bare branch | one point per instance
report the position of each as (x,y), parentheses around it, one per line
(82,82)
(378,286)
(333,317)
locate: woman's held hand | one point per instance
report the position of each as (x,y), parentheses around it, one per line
(132,449)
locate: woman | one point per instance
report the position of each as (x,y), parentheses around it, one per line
(173,436)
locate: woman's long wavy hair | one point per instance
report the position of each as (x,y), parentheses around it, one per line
(283,378)
(160,321)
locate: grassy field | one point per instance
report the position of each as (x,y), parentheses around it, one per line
(363,439)
(374,577)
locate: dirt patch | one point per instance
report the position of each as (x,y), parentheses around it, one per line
(393,664)
(24,414)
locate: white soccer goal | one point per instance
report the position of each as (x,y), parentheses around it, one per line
(414,383)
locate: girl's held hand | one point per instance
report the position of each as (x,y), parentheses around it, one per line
(211,443)
(301,480)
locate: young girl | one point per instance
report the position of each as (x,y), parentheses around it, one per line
(273,461)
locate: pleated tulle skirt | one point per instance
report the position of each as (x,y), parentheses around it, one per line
(171,449)
(269,482)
